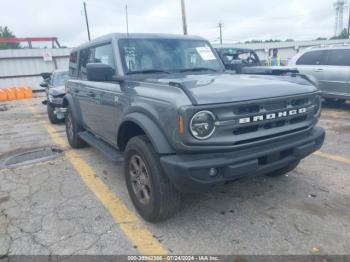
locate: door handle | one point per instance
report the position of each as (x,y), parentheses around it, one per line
(319,70)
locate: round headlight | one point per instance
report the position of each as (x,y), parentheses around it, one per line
(202,125)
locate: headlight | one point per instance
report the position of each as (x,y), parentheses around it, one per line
(202,125)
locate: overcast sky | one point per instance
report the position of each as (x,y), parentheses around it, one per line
(242,19)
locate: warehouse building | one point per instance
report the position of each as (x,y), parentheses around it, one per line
(285,49)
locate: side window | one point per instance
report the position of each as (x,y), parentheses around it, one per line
(73,64)
(340,57)
(84,58)
(103,54)
(311,58)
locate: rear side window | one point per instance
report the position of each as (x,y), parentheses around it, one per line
(73,65)
(84,58)
(340,57)
(311,58)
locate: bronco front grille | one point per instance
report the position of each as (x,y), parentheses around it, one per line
(270,115)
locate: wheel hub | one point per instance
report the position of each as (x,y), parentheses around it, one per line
(140,180)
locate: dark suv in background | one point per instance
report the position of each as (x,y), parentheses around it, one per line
(165,104)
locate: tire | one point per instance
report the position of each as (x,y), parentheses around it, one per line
(52,117)
(153,195)
(284,170)
(72,130)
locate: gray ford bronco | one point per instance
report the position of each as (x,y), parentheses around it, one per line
(165,106)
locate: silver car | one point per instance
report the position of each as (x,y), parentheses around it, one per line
(330,65)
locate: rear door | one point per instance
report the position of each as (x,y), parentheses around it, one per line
(312,63)
(337,72)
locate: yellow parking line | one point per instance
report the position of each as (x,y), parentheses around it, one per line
(337,158)
(129,223)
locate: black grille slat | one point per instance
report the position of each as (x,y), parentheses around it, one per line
(265,108)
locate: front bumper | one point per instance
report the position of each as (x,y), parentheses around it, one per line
(190,172)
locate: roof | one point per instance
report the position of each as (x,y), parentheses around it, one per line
(138,36)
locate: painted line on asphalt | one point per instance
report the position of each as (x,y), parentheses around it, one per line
(333,157)
(129,223)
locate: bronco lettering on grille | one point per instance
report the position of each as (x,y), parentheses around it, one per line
(270,116)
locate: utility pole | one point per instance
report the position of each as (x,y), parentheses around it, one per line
(349,23)
(127,19)
(183,11)
(220,30)
(87,21)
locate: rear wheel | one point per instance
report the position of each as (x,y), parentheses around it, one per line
(151,192)
(52,117)
(284,170)
(72,130)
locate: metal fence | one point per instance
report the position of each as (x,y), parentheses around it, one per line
(22,67)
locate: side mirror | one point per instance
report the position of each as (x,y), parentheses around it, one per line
(99,72)
(44,84)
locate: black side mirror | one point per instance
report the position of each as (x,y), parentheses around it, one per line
(44,84)
(99,72)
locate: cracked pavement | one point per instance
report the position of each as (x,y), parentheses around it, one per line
(46,208)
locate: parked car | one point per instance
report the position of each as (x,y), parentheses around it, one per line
(330,65)
(55,90)
(165,105)
(246,61)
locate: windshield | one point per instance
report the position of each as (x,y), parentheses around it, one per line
(167,55)
(60,79)
(233,56)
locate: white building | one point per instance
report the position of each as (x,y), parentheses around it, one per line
(286,50)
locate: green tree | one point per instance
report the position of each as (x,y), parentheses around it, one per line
(6,32)
(343,35)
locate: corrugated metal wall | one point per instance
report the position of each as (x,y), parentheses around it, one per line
(22,67)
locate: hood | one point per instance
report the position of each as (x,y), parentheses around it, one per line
(57,91)
(226,88)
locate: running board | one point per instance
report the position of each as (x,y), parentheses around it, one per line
(110,152)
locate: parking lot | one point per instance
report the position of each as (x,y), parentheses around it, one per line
(75,201)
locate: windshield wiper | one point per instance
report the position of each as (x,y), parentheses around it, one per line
(198,69)
(147,71)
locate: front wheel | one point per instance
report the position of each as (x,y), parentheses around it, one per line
(150,190)
(72,130)
(51,114)
(284,170)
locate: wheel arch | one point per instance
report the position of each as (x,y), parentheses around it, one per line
(139,124)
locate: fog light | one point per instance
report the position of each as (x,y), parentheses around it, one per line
(213,171)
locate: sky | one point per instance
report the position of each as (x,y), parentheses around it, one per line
(242,19)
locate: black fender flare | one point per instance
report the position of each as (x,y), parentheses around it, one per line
(68,100)
(152,131)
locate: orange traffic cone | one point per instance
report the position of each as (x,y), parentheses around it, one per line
(28,92)
(11,94)
(20,92)
(3,95)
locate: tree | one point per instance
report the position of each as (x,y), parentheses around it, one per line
(6,32)
(321,38)
(343,35)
